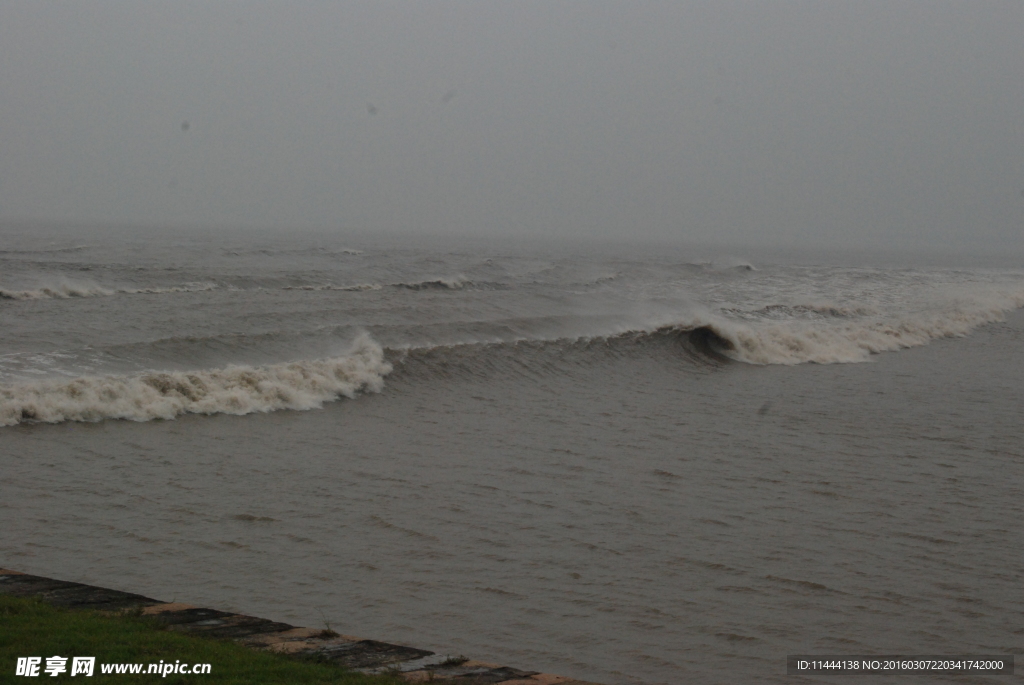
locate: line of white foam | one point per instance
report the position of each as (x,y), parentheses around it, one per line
(231,390)
(70,289)
(832,342)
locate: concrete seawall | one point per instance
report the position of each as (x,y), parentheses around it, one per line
(415,665)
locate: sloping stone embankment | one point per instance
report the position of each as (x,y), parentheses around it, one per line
(415,665)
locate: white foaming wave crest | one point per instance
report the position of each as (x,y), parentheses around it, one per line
(450,282)
(445,283)
(848,334)
(61,291)
(330,286)
(854,341)
(71,289)
(186,288)
(238,390)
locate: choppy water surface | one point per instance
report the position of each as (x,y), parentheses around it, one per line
(630,469)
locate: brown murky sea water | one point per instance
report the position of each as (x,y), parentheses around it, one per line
(623,470)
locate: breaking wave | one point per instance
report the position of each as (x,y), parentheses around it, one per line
(238,390)
(186,288)
(330,286)
(452,283)
(840,336)
(449,283)
(783,311)
(70,289)
(62,291)
(845,339)
(834,335)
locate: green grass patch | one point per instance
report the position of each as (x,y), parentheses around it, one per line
(30,627)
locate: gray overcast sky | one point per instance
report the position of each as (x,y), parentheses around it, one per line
(861,123)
